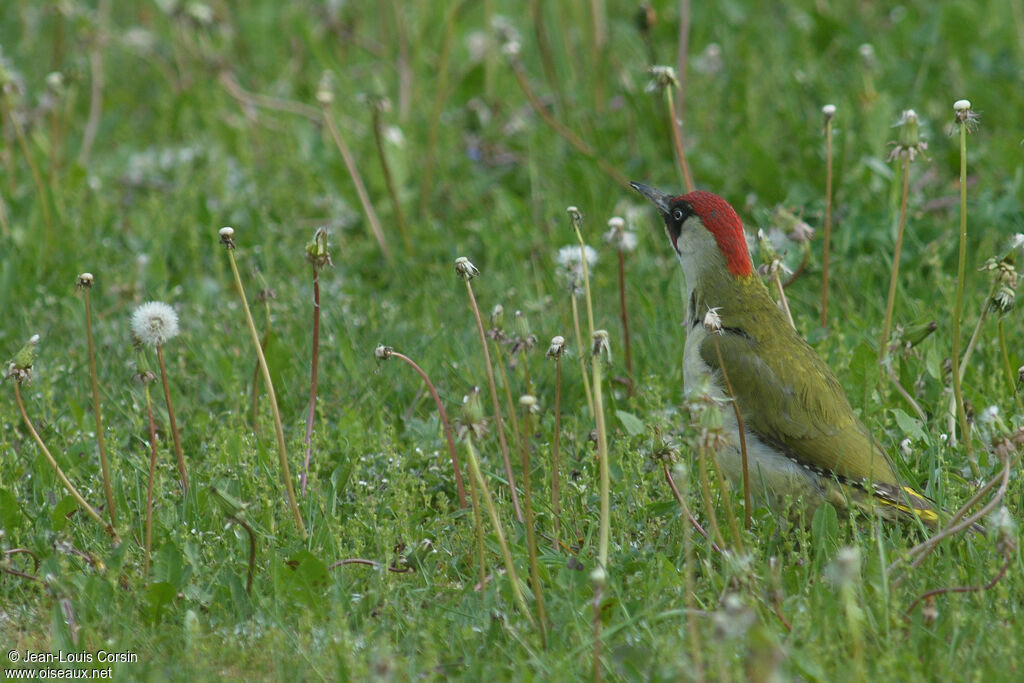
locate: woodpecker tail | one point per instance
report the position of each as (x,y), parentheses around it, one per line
(909,502)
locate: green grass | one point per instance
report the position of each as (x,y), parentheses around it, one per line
(176,157)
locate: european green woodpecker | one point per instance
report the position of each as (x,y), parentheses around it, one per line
(803,439)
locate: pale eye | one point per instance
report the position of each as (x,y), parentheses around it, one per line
(677,214)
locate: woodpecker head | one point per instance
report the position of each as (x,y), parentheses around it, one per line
(704,230)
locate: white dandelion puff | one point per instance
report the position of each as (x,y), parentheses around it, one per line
(154,323)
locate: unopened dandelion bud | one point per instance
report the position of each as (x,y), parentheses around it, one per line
(383,352)
(765,248)
(19,368)
(497,317)
(909,143)
(227,237)
(557,347)
(84,281)
(521,325)
(472,406)
(316,250)
(910,130)
(465,269)
(917,332)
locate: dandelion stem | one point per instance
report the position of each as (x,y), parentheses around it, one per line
(378,136)
(556,509)
(478,527)
(686,509)
(783,301)
(495,405)
(56,468)
(604,529)
(314,362)
(100,443)
(174,423)
(677,138)
(440,91)
(828,221)
(357,180)
(743,436)
(958,305)
(579,347)
(574,140)
(628,354)
(531,530)
(149,480)
(37,178)
(510,568)
(890,301)
(444,423)
(278,428)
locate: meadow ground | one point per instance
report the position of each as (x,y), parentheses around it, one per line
(133,131)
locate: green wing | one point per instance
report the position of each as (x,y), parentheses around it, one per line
(804,413)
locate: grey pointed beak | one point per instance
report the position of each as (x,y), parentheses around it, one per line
(658,198)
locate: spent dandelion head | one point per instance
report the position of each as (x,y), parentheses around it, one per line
(227,237)
(465,269)
(575,217)
(84,281)
(828,111)
(909,142)
(154,323)
(619,235)
(662,77)
(600,347)
(713,321)
(965,115)
(529,404)
(382,352)
(557,347)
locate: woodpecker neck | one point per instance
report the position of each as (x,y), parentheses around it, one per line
(711,280)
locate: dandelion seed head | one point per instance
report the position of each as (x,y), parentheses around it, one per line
(569,256)
(829,110)
(154,323)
